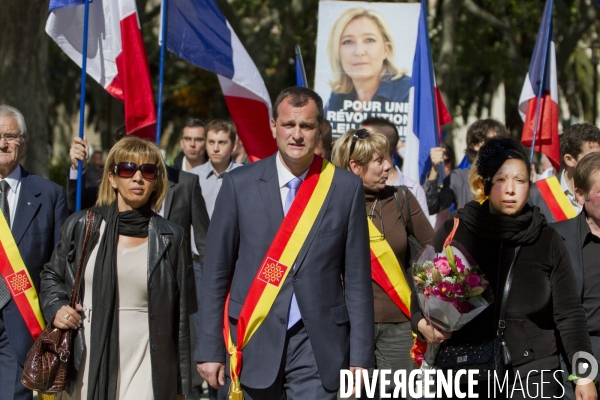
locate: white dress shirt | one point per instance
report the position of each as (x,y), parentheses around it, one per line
(14,181)
(571,196)
(284,176)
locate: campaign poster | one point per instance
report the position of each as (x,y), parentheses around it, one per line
(365,55)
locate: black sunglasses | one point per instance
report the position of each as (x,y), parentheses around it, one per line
(129,169)
(359,134)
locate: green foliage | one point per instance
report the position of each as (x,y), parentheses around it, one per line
(490,43)
(58,172)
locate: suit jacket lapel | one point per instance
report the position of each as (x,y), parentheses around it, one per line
(158,242)
(28,204)
(268,187)
(168,200)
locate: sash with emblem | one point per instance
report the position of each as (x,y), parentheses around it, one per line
(386,270)
(18,281)
(277,264)
(557,201)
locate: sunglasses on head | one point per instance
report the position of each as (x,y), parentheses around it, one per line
(359,134)
(129,169)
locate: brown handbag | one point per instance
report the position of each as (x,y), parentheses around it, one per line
(47,361)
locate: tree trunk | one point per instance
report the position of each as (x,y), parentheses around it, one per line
(24,73)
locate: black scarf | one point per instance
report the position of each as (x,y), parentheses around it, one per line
(523,229)
(104,341)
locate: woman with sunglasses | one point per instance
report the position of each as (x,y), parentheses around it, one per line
(363,152)
(132,333)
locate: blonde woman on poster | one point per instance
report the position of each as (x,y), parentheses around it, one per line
(361,54)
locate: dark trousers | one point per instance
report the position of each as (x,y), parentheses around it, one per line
(393,342)
(298,376)
(10,370)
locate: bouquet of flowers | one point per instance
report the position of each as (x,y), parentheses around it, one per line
(451,289)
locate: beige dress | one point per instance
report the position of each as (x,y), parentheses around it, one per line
(135,370)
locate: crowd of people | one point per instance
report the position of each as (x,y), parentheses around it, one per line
(190,266)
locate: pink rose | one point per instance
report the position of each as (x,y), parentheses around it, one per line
(441,264)
(473,280)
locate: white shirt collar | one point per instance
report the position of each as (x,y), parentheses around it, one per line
(568,193)
(563,183)
(283,174)
(13,179)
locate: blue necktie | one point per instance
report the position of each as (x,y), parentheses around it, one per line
(294,313)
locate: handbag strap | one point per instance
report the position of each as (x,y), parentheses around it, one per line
(507,286)
(89,222)
(409,221)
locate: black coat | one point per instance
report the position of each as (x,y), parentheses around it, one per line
(184,205)
(543,303)
(167,298)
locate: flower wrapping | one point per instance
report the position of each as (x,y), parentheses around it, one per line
(451,289)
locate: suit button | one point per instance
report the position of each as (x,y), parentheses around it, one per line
(152,316)
(151,286)
(526,354)
(294,279)
(282,320)
(153,347)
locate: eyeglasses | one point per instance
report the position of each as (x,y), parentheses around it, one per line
(10,137)
(359,134)
(129,169)
(377,238)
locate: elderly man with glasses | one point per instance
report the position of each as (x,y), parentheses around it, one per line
(33,210)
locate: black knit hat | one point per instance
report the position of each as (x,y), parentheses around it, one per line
(494,153)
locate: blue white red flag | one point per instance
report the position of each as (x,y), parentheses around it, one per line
(428,112)
(546,140)
(198,32)
(116,57)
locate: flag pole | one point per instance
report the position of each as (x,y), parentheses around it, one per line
(161,73)
(300,71)
(82,101)
(541,84)
(433,96)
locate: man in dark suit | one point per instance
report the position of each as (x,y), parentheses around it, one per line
(582,238)
(35,210)
(322,318)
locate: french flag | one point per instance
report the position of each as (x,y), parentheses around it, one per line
(543,63)
(428,112)
(116,57)
(198,32)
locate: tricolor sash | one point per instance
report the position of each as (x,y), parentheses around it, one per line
(387,272)
(18,281)
(556,199)
(277,264)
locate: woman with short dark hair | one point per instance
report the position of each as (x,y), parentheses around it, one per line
(543,309)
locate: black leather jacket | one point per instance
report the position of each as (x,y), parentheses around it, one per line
(168,319)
